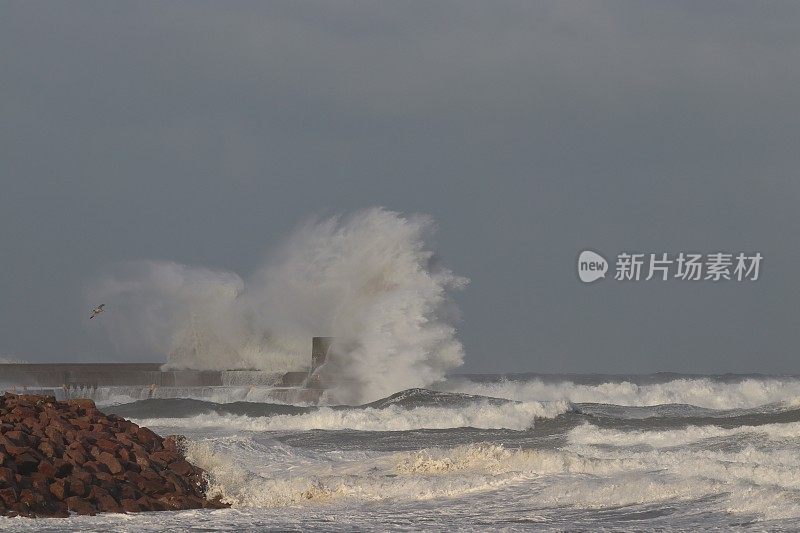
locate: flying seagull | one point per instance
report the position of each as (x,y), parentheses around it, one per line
(97,310)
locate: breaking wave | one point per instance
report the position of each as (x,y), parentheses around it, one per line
(589,434)
(741,481)
(315,481)
(427,409)
(484,415)
(699,392)
(370,280)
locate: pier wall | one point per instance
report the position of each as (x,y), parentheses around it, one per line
(147,380)
(129,374)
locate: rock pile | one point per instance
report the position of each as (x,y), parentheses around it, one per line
(57,457)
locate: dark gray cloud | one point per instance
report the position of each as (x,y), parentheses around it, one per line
(202,132)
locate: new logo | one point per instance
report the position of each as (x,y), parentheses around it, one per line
(591,266)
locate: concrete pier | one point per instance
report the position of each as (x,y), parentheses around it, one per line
(102,375)
(84,379)
(131,374)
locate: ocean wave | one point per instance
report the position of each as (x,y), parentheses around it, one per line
(480,414)
(189,407)
(366,278)
(185,407)
(750,469)
(244,475)
(429,398)
(588,434)
(699,392)
(743,481)
(496,459)
(371,479)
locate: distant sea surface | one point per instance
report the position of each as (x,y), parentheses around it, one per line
(544,452)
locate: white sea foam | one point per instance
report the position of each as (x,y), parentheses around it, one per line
(496,459)
(365,479)
(591,435)
(751,469)
(432,473)
(485,415)
(583,477)
(701,392)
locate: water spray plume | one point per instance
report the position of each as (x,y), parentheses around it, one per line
(369,279)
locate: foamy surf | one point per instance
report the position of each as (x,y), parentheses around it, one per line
(700,392)
(517,416)
(734,482)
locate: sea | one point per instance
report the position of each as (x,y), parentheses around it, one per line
(485,452)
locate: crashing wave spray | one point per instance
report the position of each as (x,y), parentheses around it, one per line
(368,279)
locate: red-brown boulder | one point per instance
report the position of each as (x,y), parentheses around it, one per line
(164,456)
(80,506)
(104,501)
(26,462)
(6,476)
(81,403)
(75,456)
(107,445)
(181,467)
(77,487)
(110,462)
(47,469)
(59,489)
(9,495)
(146,437)
(130,506)
(48,448)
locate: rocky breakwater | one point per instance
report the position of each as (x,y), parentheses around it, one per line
(62,457)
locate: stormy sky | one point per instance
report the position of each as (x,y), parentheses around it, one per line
(203,132)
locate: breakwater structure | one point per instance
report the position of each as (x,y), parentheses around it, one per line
(61,457)
(104,381)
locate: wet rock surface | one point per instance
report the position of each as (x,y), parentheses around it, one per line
(58,458)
